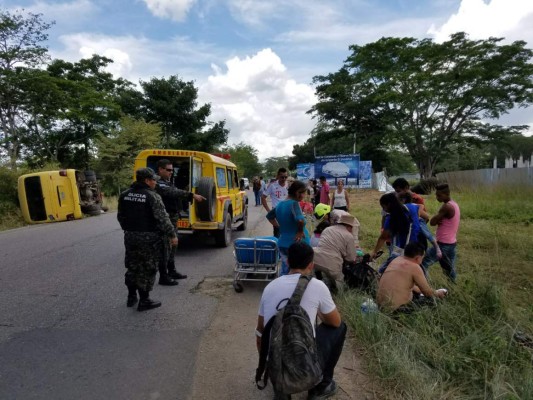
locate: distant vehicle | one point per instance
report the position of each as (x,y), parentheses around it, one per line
(336,169)
(63,195)
(246,183)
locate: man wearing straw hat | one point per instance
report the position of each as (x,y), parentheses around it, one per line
(336,245)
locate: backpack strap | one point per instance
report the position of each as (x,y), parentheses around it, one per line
(300,289)
(263,354)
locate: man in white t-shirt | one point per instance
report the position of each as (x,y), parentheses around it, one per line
(277,191)
(317,301)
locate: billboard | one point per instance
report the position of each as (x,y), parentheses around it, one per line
(304,172)
(365,174)
(339,167)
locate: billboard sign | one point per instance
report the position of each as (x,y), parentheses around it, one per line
(304,172)
(339,167)
(365,174)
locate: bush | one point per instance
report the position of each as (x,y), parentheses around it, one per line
(8,186)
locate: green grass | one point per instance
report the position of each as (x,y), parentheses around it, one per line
(463,349)
(10,216)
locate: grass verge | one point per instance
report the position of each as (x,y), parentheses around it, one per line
(464,348)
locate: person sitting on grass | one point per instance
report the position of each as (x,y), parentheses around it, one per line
(403,283)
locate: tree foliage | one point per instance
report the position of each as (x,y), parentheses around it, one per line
(80,105)
(54,111)
(116,152)
(245,157)
(174,104)
(329,140)
(21,51)
(427,97)
(272,164)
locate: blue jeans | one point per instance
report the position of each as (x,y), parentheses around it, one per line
(257,195)
(425,231)
(384,266)
(447,262)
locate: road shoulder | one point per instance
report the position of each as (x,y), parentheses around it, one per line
(227,357)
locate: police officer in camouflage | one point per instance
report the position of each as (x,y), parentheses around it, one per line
(172,198)
(147,228)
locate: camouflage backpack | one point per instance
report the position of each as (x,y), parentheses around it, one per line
(288,348)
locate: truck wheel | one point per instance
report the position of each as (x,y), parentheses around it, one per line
(244,224)
(91,209)
(206,210)
(223,236)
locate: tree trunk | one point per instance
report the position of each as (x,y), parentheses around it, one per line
(425,167)
(13,153)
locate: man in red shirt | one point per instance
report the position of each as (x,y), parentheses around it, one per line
(324,191)
(401,185)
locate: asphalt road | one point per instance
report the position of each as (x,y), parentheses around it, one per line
(65,330)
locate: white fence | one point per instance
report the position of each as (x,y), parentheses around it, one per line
(489,177)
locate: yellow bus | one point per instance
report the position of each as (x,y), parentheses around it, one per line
(215,178)
(62,195)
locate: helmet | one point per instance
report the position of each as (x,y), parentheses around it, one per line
(322,209)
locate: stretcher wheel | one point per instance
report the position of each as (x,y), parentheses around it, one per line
(238,287)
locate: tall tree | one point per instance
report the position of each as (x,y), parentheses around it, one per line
(271,165)
(21,50)
(426,96)
(116,152)
(91,94)
(174,104)
(246,159)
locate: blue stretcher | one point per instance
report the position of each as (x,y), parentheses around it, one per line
(256,259)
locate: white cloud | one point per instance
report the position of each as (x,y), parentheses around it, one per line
(481,20)
(121,65)
(171,9)
(139,57)
(262,105)
(64,14)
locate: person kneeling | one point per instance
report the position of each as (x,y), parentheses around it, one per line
(291,293)
(403,283)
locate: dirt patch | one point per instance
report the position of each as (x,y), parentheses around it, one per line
(214,286)
(226,363)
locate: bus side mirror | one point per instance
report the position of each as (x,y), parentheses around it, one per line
(241,184)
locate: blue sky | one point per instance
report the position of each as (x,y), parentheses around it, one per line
(254,60)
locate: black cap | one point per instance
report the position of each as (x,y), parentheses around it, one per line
(145,173)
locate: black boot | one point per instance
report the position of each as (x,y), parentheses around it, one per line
(165,280)
(146,303)
(176,275)
(132,296)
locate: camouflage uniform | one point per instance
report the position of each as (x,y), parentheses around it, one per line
(147,230)
(171,196)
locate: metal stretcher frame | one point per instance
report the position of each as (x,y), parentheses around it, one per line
(256,259)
